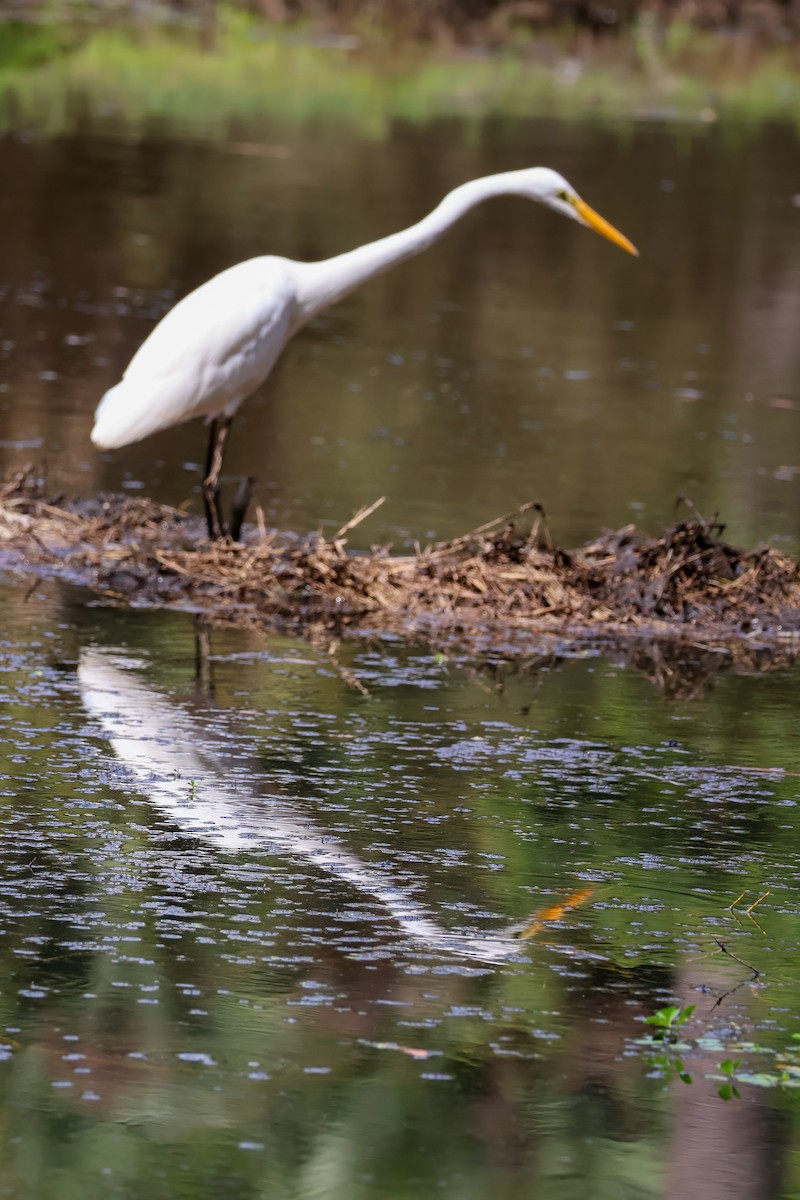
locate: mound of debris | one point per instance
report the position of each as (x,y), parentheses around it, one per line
(490,587)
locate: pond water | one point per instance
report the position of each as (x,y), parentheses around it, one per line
(266,935)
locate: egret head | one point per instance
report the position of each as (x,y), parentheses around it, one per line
(552,189)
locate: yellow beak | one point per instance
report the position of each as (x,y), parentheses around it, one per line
(601,226)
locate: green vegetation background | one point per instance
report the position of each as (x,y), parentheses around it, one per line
(53,69)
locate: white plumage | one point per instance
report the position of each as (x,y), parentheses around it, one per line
(205,357)
(218,344)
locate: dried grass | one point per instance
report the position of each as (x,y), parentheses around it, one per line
(489,589)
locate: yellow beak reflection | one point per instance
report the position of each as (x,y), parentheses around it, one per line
(601,226)
(554,913)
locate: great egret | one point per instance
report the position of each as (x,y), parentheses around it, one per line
(218,344)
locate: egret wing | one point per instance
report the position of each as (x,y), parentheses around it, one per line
(205,356)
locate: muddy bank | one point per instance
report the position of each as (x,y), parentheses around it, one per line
(504,588)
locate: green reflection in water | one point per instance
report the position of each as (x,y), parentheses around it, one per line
(187,1014)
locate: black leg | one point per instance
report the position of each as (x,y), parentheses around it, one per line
(220,428)
(241,502)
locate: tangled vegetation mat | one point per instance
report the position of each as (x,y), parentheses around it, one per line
(501,588)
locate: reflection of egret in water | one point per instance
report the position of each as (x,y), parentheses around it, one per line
(161,744)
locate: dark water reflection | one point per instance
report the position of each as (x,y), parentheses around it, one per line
(521,358)
(255,926)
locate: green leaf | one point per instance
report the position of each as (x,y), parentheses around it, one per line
(685,1076)
(725,1092)
(665,1017)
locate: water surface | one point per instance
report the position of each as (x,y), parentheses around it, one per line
(263,934)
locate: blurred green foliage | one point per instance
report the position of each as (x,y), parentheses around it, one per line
(146,70)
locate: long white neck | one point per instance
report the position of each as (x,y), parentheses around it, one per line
(323,283)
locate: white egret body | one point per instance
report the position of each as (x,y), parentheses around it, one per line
(218,344)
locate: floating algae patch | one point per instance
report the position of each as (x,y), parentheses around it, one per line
(502,588)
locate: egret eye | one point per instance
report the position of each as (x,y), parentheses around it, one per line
(563,195)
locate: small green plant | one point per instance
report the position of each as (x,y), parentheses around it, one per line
(669,1065)
(729,1090)
(758,1065)
(667,1021)
(192,789)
